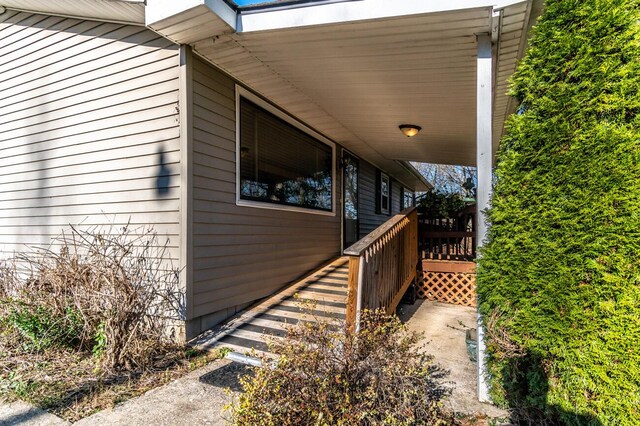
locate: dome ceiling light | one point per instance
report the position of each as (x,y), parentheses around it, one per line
(410,130)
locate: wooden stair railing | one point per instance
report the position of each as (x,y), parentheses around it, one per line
(382,265)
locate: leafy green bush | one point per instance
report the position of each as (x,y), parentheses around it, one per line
(44,328)
(325,376)
(559,277)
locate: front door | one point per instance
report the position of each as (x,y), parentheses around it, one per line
(350,197)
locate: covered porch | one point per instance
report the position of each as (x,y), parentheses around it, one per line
(354,71)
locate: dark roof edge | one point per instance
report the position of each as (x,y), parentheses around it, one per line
(281,5)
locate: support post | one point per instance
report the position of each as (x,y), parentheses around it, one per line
(484,164)
(185,107)
(352,293)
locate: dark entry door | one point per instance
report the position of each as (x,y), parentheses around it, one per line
(350,196)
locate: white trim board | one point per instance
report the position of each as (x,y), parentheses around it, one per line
(344,12)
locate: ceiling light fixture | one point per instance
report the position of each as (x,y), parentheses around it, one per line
(410,130)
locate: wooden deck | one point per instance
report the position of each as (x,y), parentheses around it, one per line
(246,333)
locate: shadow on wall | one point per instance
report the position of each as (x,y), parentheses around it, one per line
(163,178)
(527,385)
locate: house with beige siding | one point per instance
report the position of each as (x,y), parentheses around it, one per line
(261,141)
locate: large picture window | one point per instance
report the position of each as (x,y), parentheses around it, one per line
(280,164)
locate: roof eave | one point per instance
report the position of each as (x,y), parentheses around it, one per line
(421,184)
(270,19)
(128,12)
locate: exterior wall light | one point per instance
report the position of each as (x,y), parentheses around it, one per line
(410,130)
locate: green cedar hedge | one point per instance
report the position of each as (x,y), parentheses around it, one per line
(559,277)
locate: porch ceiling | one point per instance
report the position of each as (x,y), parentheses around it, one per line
(357,81)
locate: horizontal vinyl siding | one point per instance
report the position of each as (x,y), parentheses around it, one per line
(86,111)
(369,219)
(241,254)
(396,190)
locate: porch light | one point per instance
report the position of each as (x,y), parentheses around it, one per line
(410,130)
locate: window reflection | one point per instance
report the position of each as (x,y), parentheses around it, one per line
(281,164)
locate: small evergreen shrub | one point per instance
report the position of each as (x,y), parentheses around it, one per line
(559,277)
(326,376)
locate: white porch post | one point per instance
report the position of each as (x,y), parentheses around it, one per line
(484,163)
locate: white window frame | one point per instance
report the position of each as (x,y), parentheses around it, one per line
(241,92)
(384,176)
(405,191)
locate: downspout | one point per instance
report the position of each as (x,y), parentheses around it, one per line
(244,359)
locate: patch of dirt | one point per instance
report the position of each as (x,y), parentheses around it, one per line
(68,384)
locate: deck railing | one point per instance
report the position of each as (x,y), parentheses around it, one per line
(448,238)
(382,265)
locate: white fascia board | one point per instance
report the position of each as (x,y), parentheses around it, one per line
(343,12)
(426,185)
(500,4)
(159,10)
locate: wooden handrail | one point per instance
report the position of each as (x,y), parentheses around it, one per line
(363,244)
(382,265)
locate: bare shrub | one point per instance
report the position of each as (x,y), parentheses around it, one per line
(498,338)
(117,283)
(327,376)
(8,279)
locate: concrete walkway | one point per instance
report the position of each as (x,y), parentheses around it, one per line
(444,327)
(21,413)
(196,399)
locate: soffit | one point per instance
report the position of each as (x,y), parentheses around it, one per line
(515,22)
(129,12)
(356,82)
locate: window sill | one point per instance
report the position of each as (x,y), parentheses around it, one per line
(280,207)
